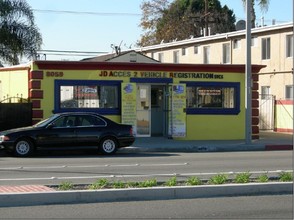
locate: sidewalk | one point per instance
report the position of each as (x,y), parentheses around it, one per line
(268,140)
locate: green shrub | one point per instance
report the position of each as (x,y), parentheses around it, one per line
(263,178)
(118,184)
(192,181)
(171,182)
(66,186)
(148,183)
(218,179)
(286,177)
(243,177)
(99,184)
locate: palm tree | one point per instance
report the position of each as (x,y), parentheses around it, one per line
(19,36)
(263,6)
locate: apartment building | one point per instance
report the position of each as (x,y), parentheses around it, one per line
(271,46)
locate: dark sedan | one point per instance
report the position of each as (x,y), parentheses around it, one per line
(68,131)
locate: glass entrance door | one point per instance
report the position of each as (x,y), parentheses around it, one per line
(143,110)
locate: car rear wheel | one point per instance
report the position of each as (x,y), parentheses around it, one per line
(108,145)
(23,148)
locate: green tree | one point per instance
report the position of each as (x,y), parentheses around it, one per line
(19,36)
(185,18)
(263,4)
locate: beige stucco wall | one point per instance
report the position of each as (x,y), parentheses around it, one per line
(277,73)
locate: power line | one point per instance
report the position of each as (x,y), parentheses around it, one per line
(86,13)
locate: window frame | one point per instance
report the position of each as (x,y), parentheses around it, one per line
(289,45)
(176,56)
(216,111)
(266,45)
(290,92)
(226,53)
(104,111)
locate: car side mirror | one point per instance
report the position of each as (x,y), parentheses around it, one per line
(51,125)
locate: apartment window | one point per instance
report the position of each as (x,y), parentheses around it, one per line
(266,48)
(206,54)
(176,56)
(196,49)
(236,43)
(184,51)
(160,57)
(226,53)
(213,98)
(253,41)
(265,92)
(289,46)
(289,92)
(152,55)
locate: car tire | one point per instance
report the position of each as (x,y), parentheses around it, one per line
(23,148)
(108,145)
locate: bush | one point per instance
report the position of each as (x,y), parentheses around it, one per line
(218,179)
(192,181)
(99,184)
(263,178)
(66,186)
(243,177)
(285,177)
(148,183)
(171,182)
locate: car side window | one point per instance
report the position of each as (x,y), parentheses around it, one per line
(89,120)
(67,121)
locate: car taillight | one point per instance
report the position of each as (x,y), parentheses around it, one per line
(131,130)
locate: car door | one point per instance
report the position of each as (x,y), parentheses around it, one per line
(89,130)
(62,133)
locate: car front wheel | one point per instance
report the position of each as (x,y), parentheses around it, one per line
(108,145)
(23,148)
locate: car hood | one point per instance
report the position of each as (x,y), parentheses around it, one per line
(14,130)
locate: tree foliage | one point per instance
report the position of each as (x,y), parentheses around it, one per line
(183,19)
(263,4)
(19,36)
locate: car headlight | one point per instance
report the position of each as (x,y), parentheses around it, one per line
(4,138)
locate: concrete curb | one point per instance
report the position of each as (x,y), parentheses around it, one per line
(136,194)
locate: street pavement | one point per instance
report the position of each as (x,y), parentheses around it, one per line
(39,194)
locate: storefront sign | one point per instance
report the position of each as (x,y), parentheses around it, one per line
(177,123)
(156,74)
(128,110)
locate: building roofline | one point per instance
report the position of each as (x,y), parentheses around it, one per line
(169,67)
(215,37)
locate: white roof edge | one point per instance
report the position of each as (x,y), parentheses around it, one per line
(216,36)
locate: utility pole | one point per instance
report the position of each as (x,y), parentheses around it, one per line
(248,90)
(206,17)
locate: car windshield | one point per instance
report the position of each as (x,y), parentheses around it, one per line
(46,121)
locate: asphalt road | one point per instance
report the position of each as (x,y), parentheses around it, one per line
(252,207)
(79,167)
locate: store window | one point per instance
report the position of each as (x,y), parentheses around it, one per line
(101,96)
(213,98)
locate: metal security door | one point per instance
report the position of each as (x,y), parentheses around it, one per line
(266,112)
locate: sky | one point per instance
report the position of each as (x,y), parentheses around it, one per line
(109,23)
